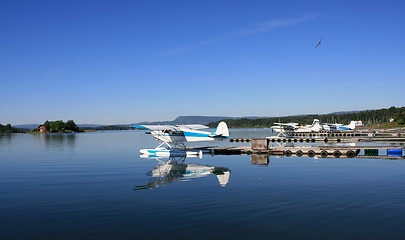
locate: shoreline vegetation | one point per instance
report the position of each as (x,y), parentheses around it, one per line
(9,129)
(373,119)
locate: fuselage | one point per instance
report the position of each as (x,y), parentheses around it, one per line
(346,128)
(183,136)
(292,127)
(283,128)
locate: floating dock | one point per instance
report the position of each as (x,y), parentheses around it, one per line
(260,146)
(332,137)
(321,151)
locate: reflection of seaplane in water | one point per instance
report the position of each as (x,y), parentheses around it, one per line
(283,128)
(179,134)
(175,170)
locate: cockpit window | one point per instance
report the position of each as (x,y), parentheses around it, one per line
(171,132)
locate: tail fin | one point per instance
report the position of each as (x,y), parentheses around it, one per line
(316,126)
(221,130)
(352,125)
(315,122)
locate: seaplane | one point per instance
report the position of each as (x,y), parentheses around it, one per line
(351,126)
(283,128)
(338,126)
(331,126)
(175,170)
(179,134)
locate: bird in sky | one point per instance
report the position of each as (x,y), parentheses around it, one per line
(318,43)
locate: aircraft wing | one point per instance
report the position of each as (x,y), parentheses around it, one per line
(157,127)
(287,124)
(333,124)
(171,127)
(193,126)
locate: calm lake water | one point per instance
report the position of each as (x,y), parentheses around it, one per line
(96,186)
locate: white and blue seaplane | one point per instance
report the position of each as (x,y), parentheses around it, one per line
(285,128)
(340,127)
(179,134)
(351,126)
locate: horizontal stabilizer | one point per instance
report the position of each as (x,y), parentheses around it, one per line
(139,126)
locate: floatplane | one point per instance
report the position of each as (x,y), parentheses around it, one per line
(179,134)
(340,127)
(283,128)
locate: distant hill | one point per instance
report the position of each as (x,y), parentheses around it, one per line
(188,120)
(89,125)
(210,119)
(347,112)
(27,126)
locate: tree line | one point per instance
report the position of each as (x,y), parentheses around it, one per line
(369,117)
(9,129)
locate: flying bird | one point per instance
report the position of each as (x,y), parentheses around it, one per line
(318,43)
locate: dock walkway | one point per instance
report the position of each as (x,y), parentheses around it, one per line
(260,146)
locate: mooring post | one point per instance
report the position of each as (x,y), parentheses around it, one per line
(259,144)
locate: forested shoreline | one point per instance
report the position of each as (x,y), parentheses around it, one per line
(9,129)
(370,117)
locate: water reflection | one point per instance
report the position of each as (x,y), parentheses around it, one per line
(6,138)
(175,170)
(260,159)
(58,140)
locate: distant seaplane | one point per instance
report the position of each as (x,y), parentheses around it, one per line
(318,43)
(179,134)
(351,126)
(331,126)
(337,126)
(283,128)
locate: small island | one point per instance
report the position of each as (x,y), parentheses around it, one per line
(57,127)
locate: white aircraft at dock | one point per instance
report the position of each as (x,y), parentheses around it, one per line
(340,127)
(283,128)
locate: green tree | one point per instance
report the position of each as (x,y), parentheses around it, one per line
(58,126)
(400,118)
(47,126)
(71,125)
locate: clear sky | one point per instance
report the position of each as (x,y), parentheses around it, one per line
(111,62)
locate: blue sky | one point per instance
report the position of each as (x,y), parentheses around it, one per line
(110,62)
